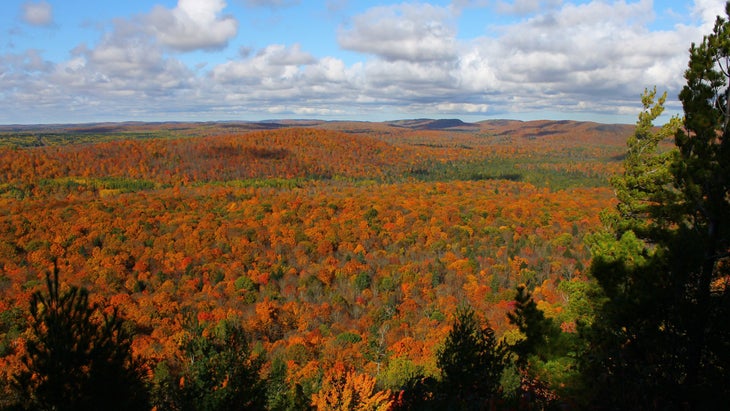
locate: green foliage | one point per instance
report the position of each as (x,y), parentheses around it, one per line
(583,299)
(362,281)
(77,358)
(661,339)
(73,136)
(544,358)
(347,338)
(471,363)
(66,185)
(537,330)
(646,186)
(12,324)
(700,251)
(399,372)
(631,348)
(124,185)
(282,183)
(280,396)
(533,171)
(218,371)
(244,283)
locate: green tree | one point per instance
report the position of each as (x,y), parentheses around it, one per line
(542,356)
(280,395)
(645,190)
(76,357)
(217,372)
(703,179)
(471,362)
(661,340)
(539,332)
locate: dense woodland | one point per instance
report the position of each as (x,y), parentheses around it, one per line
(424,264)
(330,248)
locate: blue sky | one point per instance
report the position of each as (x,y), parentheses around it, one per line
(64,61)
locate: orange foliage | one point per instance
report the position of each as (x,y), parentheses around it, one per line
(357,267)
(344,390)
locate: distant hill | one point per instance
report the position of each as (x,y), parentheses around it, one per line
(538,131)
(541,129)
(430,124)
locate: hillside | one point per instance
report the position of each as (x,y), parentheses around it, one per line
(328,242)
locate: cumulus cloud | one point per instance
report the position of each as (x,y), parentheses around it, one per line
(591,56)
(38,14)
(124,75)
(595,56)
(409,81)
(270,65)
(285,80)
(193,25)
(412,32)
(578,57)
(706,11)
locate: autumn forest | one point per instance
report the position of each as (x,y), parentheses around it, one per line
(333,246)
(405,265)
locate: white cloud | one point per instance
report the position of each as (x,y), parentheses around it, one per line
(271,65)
(706,11)
(124,75)
(329,70)
(458,108)
(192,25)
(526,6)
(594,56)
(38,14)
(589,57)
(409,81)
(412,32)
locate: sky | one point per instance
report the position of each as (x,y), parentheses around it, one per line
(82,61)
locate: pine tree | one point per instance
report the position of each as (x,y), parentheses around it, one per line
(662,339)
(538,331)
(541,357)
(471,362)
(701,249)
(77,358)
(646,187)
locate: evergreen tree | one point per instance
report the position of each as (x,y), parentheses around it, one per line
(538,331)
(217,372)
(645,190)
(701,248)
(633,348)
(540,355)
(661,340)
(77,359)
(471,362)
(280,395)
(419,393)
